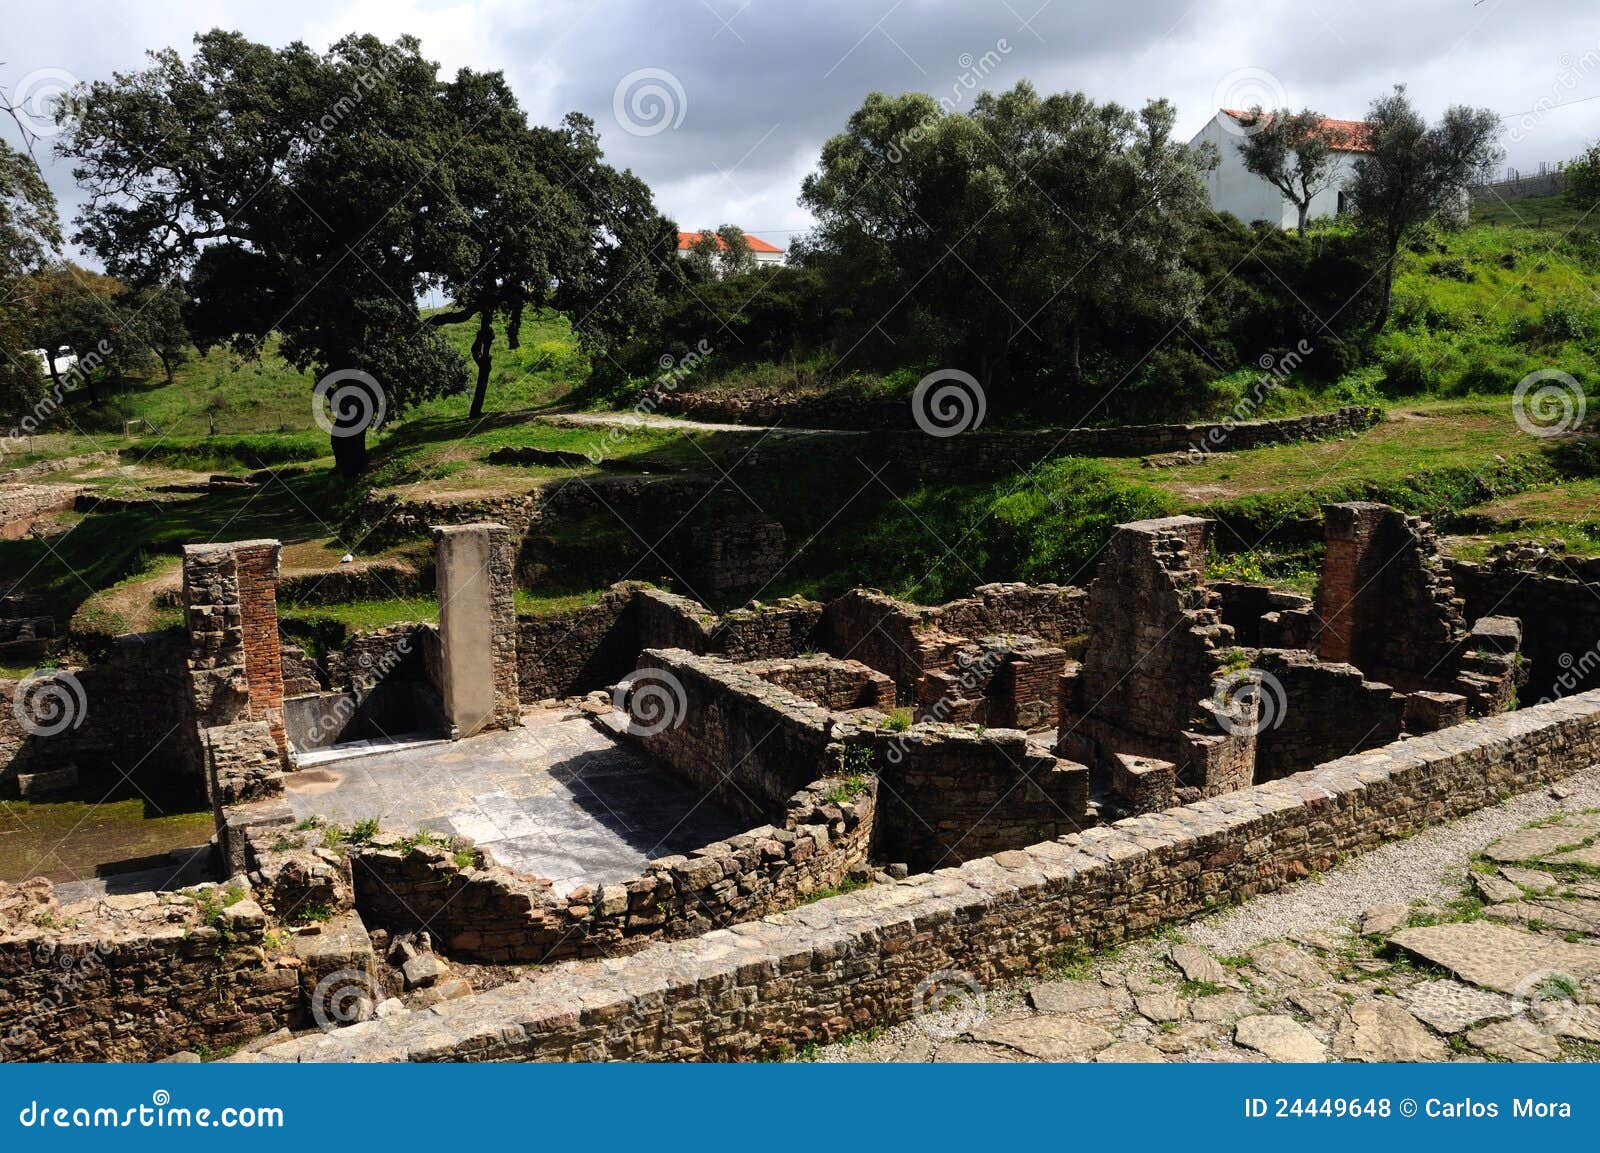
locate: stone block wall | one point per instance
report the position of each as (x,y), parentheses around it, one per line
(956,792)
(749,743)
(667,620)
(993,453)
(736,556)
(129,711)
(892,636)
(830,682)
(1242,607)
(1050,612)
(1385,601)
(1560,615)
(135,978)
(858,959)
(575,653)
(1325,710)
(784,628)
(485,913)
(231,611)
(1010,682)
(1156,655)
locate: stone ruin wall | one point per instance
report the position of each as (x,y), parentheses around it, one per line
(834,684)
(775,985)
(131,713)
(1560,615)
(1156,654)
(135,978)
(946,792)
(483,912)
(1004,452)
(811,840)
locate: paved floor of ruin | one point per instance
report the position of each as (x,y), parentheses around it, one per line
(556,798)
(1476,940)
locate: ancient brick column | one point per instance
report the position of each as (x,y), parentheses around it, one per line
(230,594)
(477,627)
(1348,578)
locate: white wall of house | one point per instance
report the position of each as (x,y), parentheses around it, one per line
(1234,188)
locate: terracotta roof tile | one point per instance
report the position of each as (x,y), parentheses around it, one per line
(1345,135)
(687,240)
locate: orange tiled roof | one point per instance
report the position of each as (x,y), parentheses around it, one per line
(687,240)
(1345,135)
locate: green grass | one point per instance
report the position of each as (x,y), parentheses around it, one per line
(1559,213)
(1475,311)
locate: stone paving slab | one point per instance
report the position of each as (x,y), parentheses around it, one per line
(556,798)
(1496,956)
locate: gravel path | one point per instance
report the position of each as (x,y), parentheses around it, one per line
(1430,864)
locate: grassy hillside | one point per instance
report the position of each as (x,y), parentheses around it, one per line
(1474,313)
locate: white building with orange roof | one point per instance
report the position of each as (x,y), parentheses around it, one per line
(766,254)
(1234,188)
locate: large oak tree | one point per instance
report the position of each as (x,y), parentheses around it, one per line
(318,195)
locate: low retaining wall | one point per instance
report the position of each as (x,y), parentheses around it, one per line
(494,915)
(995,451)
(850,961)
(979,455)
(135,978)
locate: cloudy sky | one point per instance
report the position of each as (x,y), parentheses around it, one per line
(722,105)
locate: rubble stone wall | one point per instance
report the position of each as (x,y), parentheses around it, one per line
(830,682)
(994,452)
(130,711)
(857,959)
(487,913)
(750,743)
(954,793)
(1157,653)
(1325,708)
(135,978)
(1560,617)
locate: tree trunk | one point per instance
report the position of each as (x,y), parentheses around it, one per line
(1075,353)
(88,377)
(1305,210)
(166,365)
(349,451)
(483,355)
(514,329)
(55,373)
(1388,289)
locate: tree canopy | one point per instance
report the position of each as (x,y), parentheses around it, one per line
(317,196)
(1413,175)
(1290,151)
(1008,235)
